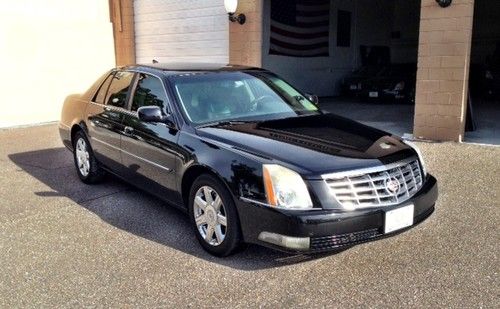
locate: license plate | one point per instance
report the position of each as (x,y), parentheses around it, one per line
(373,94)
(399,218)
(354,87)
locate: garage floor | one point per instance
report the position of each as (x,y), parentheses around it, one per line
(487,118)
(66,244)
(393,118)
(398,118)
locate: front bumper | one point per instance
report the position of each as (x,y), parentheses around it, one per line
(328,229)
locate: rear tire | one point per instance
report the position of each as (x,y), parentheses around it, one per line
(213,216)
(87,167)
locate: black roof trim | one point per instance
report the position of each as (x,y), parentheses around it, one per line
(175,67)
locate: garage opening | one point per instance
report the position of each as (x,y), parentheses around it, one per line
(359,57)
(484,76)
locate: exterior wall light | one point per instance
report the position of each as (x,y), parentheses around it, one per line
(444,3)
(231,6)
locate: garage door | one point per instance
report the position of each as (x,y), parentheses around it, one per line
(181,30)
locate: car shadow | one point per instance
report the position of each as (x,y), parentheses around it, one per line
(137,212)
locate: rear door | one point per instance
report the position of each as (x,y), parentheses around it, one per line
(105,118)
(150,150)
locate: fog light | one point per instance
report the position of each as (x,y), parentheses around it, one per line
(298,243)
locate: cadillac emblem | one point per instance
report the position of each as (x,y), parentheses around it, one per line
(392,185)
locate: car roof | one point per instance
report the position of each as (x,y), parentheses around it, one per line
(174,68)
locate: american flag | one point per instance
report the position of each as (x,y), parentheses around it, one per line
(300,28)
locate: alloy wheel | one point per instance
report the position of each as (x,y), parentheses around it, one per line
(210,215)
(82,157)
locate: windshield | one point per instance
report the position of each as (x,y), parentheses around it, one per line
(208,97)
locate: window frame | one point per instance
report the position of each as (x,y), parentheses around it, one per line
(127,98)
(168,106)
(111,73)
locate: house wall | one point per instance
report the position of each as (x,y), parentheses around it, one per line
(245,41)
(48,50)
(181,30)
(122,17)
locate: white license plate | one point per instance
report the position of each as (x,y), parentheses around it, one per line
(354,87)
(399,218)
(373,94)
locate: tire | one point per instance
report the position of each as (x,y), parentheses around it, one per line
(215,237)
(87,167)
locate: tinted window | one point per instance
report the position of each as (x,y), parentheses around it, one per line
(101,94)
(149,91)
(216,96)
(120,84)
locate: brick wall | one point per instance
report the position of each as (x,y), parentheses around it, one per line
(245,41)
(443,63)
(122,16)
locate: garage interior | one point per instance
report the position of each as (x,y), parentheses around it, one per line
(484,76)
(393,41)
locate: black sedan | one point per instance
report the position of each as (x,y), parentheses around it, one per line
(395,83)
(354,83)
(249,157)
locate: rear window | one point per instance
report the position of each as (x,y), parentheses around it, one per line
(119,88)
(100,96)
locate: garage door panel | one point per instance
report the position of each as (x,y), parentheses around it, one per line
(181,30)
(174,38)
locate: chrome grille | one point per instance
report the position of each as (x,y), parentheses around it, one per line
(371,187)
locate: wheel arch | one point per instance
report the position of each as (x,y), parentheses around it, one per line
(76,127)
(192,173)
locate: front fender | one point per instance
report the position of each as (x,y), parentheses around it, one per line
(240,171)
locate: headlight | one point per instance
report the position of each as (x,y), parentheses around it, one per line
(420,157)
(285,188)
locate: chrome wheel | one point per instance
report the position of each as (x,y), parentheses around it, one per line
(210,216)
(82,157)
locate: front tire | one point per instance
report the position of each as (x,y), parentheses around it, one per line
(87,167)
(214,217)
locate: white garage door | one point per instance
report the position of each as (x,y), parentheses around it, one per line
(181,30)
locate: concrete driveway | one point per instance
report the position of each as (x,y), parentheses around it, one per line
(66,244)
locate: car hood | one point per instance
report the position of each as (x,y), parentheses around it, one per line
(312,145)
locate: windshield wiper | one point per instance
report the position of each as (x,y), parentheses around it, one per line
(226,123)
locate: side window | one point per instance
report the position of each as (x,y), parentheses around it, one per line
(103,90)
(149,91)
(118,90)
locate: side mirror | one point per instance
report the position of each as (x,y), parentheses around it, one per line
(154,114)
(313,98)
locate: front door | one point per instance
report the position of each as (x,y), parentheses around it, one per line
(149,150)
